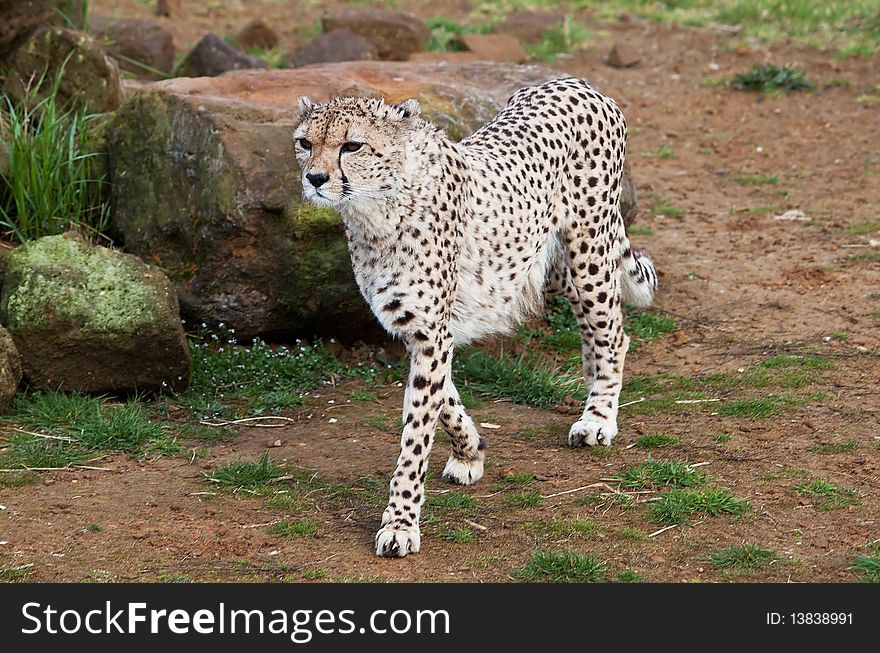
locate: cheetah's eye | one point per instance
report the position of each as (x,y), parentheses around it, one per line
(305,144)
(351,146)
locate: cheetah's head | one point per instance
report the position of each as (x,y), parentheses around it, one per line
(352,150)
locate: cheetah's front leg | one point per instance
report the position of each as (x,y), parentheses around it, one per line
(429,367)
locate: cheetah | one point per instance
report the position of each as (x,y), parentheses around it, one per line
(451,242)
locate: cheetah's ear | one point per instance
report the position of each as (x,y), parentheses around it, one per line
(305,104)
(408,109)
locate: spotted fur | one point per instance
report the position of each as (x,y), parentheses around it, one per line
(451,242)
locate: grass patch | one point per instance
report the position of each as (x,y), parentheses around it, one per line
(827,495)
(524,380)
(648,326)
(446,34)
(17,479)
(249,476)
(575,527)
(679,505)
(757,180)
(640,230)
(15,574)
(764,407)
(564,567)
(862,228)
(834,447)
(525,499)
(459,535)
(868,566)
(633,534)
(785,472)
(864,257)
(452,501)
(661,473)
(360,395)
(230,378)
(747,556)
(564,39)
(57,184)
(769,77)
(293,528)
(81,426)
(667,210)
(722,437)
(656,441)
(628,576)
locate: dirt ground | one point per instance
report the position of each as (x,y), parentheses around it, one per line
(741,285)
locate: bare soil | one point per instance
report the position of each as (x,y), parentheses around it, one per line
(741,285)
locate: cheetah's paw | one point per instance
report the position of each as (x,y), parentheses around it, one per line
(395,540)
(590,433)
(463,472)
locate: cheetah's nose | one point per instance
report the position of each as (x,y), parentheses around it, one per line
(317,178)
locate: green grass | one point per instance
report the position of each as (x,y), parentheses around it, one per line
(94,528)
(17,479)
(648,326)
(863,228)
(293,528)
(609,499)
(15,574)
(864,257)
(656,441)
(628,576)
(785,472)
(668,210)
(57,184)
(231,379)
(522,379)
(834,447)
(251,476)
(722,437)
(452,501)
(757,180)
(746,556)
(868,566)
(769,77)
(459,535)
(273,57)
(640,230)
(564,567)
(768,406)
(827,495)
(360,395)
(445,33)
(679,505)
(79,427)
(575,527)
(633,534)
(524,499)
(564,39)
(661,473)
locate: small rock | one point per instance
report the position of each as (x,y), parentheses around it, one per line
(133,41)
(213,56)
(91,79)
(622,56)
(10,370)
(19,20)
(174,507)
(793,215)
(658,559)
(257,34)
(336,45)
(49,481)
(275,443)
(494,47)
(529,26)
(167,7)
(396,34)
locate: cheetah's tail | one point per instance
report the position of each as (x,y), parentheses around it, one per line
(639,278)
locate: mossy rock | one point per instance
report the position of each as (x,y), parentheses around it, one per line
(89,79)
(10,370)
(89,318)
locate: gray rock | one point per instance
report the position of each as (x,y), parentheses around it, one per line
(90,78)
(133,41)
(88,318)
(213,56)
(333,47)
(205,185)
(396,34)
(10,370)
